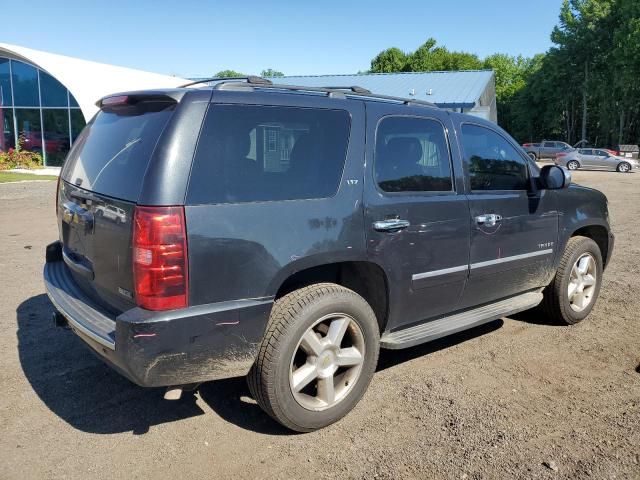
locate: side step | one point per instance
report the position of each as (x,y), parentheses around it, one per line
(425,332)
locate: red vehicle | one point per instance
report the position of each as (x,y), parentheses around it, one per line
(53,143)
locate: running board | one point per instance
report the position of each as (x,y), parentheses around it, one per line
(432,330)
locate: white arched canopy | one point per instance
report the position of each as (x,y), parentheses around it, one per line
(89,81)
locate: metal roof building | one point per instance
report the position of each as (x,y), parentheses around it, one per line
(469,91)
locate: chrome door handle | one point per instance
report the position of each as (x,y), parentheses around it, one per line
(391,225)
(488,219)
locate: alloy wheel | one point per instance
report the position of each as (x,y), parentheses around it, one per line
(327,362)
(582,282)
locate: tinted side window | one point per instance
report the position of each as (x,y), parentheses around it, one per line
(493,163)
(252,153)
(412,156)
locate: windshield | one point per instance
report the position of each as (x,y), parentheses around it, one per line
(112,153)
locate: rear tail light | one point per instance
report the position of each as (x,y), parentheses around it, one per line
(526,145)
(160,266)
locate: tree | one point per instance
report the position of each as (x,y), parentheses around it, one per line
(389,61)
(269,72)
(229,73)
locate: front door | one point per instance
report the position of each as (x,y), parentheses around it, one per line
(514,229)
(416,213)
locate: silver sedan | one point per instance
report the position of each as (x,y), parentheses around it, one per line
(596,159)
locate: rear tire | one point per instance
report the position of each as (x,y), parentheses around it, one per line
(623,167)
(573,165)
(573,292)
(532,156)
(317,356)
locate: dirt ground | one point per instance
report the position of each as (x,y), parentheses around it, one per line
(500,401)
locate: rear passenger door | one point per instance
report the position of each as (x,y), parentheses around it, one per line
(587,158)
(416,214)
(514,228)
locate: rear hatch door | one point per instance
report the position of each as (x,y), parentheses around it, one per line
(100,185)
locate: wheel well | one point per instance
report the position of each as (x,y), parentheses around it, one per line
(366,279)
(599,235)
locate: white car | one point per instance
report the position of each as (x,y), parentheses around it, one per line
(112,212)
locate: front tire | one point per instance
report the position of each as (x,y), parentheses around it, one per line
(624,167)
(572,294)
(317,356)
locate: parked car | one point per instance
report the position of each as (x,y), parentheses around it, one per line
(595,158)
(546,149)
(111,212)
(289,233)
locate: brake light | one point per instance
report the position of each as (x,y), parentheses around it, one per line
(526,145)
(114,101)
(160,266)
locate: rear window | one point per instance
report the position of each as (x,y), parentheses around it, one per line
(263,153)
(112,153)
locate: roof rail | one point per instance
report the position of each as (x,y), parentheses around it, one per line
(251,79)
(353,88)
(329,91)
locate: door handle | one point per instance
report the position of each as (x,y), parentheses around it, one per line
(488,219)
(391,225)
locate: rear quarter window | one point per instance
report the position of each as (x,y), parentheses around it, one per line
(249,153)
(112,153)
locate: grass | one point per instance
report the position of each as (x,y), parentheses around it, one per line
(6,177)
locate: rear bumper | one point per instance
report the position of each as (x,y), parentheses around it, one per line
(154,349)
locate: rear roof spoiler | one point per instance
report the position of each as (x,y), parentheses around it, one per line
(131,98)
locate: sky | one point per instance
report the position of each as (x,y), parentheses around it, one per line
(199,38)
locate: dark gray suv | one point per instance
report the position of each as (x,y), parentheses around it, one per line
(288,233)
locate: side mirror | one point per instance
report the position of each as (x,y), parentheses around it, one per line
(554,177)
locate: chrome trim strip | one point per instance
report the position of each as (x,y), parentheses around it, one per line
(436,273)
(446,271)
(512,258)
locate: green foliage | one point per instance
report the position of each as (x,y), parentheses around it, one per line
(20,158)
(229,73)
(389,61)
(595,60)
(270,72)
(426,58)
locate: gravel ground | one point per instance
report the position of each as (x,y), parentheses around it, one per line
(513,399)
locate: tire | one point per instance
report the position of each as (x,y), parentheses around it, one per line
(532,156)
(623,167)
(283,350)
(557,304)
(573,165)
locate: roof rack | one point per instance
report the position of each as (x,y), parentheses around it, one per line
(251,79)
(354,91)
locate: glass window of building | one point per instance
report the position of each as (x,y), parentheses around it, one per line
(37,112)
(5,82)
(53,92)
(25,85)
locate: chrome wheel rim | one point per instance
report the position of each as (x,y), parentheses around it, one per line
(624,167)
(327,362)
(572,165)
(582,282)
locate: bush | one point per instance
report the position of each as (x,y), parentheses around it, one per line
(20,158)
